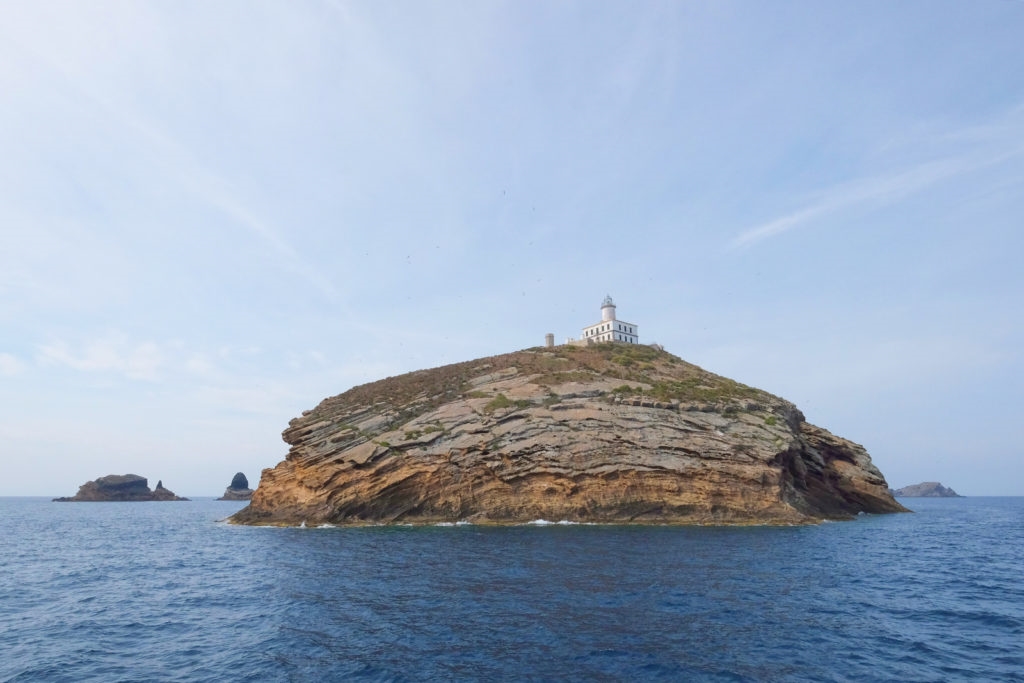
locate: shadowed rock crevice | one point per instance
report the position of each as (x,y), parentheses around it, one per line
(610,433)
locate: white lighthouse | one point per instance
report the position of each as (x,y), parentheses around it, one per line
(610,328)
(607,309)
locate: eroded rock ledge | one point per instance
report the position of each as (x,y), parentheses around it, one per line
(611,433)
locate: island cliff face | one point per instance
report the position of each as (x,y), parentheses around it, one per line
(609,433)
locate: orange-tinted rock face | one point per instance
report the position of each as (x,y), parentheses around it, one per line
(610,434)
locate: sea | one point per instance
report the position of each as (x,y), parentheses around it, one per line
(171,592)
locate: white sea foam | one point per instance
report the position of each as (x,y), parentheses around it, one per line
(561,522)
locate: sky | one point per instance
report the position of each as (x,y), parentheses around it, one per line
(214,215)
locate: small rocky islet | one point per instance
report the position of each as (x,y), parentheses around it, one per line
(120,488)
(926,489)
(610,432)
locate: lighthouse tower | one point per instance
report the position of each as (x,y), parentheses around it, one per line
(607,310)
(610,329)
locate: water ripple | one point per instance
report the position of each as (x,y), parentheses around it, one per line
(154,591)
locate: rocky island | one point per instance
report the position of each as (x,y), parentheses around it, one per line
(605,433)
(926,489)
(238,489)
(119,488)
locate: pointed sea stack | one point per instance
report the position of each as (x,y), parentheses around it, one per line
(612,433)
(238,489)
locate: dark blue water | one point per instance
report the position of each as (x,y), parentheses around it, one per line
(163,591)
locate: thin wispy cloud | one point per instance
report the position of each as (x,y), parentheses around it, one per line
(199,180)
(212,189)
(193,206)
(878,190)
(10,365)
(110,354)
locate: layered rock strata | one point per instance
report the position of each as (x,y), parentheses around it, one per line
(611,433)
(120,488)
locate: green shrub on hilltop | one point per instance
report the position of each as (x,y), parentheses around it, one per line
(499,402)
(701,389)
(556,378)
(621,353)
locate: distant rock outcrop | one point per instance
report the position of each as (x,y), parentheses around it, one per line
(120,488)
(927,489)
(608,433)
(238,489)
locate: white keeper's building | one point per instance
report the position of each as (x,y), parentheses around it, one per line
(610,328)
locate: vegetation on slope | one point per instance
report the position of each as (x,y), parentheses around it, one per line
(646,371)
